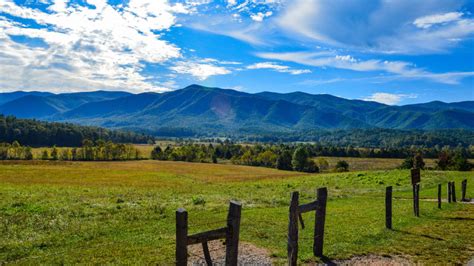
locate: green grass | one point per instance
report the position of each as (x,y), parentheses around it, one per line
(123,212)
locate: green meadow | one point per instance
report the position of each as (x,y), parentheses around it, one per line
(124,212)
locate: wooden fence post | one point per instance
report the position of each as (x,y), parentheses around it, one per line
(322,195)
(439,196)
(388,207)
(181,237)
(464,190)
(449,192)
(417,200)
(232,235)
(454,191)
(293,230)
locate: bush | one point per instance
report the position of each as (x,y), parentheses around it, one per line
(407,163)
(311,167)
(342,166)
(323,164)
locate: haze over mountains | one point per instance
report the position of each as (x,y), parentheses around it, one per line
(213,110)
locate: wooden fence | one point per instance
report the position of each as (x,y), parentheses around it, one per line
(319,206)
(231,232)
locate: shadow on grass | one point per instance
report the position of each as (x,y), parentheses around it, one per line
(421,235)
(459,218)
(328,261)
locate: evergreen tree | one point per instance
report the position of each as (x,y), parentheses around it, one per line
(284,161)
(157,153)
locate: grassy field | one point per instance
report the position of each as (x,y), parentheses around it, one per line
(364,164)
(123,212)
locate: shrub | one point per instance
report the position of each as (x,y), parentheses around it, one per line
(323,164)
(342,166)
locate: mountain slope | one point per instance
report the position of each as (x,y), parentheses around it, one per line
(10,96)
(40,105)
(205,110)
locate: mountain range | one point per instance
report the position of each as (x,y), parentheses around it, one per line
(205,110)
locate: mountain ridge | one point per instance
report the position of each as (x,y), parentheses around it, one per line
(215,110)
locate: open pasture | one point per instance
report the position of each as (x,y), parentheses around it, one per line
(123,212)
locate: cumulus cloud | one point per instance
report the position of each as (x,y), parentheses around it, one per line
(389,98)
(278,68)
(101,47)
(201,71)
(259,16)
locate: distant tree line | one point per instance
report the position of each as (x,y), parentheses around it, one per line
(298,157)
(15,151)
(367,138)
(377,138)
(38,133)
(99,150)
(455,160)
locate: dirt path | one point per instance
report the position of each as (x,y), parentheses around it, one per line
(248,254)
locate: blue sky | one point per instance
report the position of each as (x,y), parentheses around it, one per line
(395,52)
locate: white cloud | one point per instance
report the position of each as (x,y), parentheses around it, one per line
(401,69)
(389,98)
(260,16)
(428,21)
(378,26)
(278,68)
(87,48)
(199,70)
(317,82)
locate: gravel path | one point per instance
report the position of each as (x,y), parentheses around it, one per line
(248,254)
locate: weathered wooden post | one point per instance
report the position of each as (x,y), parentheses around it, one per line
(453,193)
(232,234)
(449,192)
(417,200)
(181,237)
(293,230)
(322,196)
(415,179)
(388,207)
(439,196)
(464,190)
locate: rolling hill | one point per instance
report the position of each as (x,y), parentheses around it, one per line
(213,110)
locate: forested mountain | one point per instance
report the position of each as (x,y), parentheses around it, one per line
(198,110)
(10,96)
(37,133)
(40,105)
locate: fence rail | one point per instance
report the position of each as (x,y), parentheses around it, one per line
(231,232)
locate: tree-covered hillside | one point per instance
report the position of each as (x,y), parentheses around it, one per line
(38,133)
(198,110)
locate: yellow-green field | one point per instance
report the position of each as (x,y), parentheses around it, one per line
(363,164)
(123,212)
